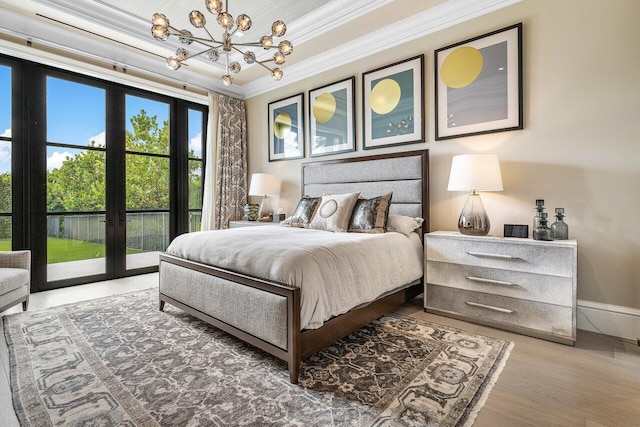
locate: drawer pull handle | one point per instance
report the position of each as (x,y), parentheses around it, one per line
(482,254)
(490,307)
(493,282)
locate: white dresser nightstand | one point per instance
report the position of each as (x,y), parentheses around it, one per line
(522,285)
(237,224)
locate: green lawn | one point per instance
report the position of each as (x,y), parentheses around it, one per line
(62,250)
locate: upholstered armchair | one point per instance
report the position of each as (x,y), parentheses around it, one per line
(15,279)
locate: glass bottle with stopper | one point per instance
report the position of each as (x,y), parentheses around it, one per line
(539,210)
(559,229)
(542,232)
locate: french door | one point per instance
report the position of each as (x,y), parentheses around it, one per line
(108,173)
(96,178)
(112,173)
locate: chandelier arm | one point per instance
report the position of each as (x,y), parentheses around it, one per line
(206,43)
(233,46)
(178,33)
(255,62)
(262,65)
(196,54)
(209,34)
(201,40)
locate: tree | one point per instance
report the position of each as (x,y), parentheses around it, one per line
(80,183)
(5,204)
(147,177)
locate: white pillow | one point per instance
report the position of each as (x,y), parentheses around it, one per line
(334,212)
(403,224)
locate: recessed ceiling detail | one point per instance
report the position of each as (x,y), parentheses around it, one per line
(86,28)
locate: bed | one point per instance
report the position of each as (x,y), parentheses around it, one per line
(266,313)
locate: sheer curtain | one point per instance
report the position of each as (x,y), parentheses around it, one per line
(225,188)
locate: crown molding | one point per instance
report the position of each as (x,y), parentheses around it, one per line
(422,24)
(324,19)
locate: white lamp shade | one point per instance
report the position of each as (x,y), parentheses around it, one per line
(479,172)
(264,184)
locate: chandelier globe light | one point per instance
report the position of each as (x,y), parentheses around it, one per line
(213,49)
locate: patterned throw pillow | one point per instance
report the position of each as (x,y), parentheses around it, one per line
(334,212)
(304,212)
(370,215)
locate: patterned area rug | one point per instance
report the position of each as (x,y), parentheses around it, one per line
(120,361)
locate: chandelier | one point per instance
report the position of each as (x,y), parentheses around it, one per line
(161,29)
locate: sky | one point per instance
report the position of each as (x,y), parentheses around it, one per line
(76,114)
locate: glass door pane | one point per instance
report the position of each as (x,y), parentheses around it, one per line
(195,169)
(147,166)
(5,158)
(76,180)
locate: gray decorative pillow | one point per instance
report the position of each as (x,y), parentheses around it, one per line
(304,212)
(334,212)
(370,215)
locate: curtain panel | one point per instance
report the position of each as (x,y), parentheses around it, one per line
(210,168)
(231,176)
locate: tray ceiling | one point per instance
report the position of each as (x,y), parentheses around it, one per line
(116,33)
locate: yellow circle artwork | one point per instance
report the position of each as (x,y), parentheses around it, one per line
(461,67)
(324,107)
(282,125)
(385,96)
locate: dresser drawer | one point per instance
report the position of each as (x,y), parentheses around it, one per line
(516,284)
(551,259)
(505,311)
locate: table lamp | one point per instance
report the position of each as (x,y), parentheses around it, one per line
(474,173)
(264,184)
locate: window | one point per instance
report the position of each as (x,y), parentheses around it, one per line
(76,179)
(5,158)
(147,180)
(195,169)
(108,178)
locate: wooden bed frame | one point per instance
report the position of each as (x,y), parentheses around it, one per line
(302,344)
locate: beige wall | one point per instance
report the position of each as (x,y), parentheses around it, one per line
(579,149)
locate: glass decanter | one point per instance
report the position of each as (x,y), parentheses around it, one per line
(539,209)
(542,232)
(559,229)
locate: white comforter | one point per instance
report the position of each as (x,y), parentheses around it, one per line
(335,271)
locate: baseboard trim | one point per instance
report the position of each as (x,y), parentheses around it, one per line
(615,320)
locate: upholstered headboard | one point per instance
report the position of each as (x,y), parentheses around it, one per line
(405,174)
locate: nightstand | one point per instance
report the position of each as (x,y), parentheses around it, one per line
(522,285)
(237,224)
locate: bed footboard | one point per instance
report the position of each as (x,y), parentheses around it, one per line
(259,312)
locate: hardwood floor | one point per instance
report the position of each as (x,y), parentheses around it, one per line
(596,383)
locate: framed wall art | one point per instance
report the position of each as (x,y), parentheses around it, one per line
(332,118)
(478,85)
(393,104)
(286,128)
